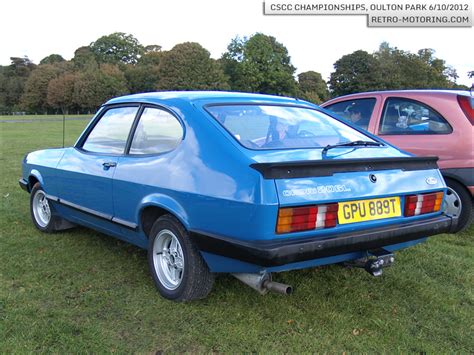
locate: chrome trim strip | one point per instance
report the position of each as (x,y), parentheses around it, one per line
(92,212)
(86,210)
(124,223)
(52,198)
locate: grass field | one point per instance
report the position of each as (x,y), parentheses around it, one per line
(39,117)
(82,291)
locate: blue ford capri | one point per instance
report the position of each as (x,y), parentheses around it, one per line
(248,184)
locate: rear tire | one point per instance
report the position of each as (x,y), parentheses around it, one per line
(176,266)
(460,201)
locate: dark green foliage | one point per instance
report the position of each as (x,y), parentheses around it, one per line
(144,76)
(117,48)
(312,87)
(356,72)
(12,82)
(470,74)
(52,58)
(391,68)
(405,70)
(94,86)
(188,66)
(259,64)
(84,58)
(256,64)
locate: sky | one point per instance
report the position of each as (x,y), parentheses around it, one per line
(39,28)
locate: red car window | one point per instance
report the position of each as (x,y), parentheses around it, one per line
(356,111)
(404,116)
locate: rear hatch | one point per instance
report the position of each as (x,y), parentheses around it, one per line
(349,193)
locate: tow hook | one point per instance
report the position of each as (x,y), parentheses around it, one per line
(375,261)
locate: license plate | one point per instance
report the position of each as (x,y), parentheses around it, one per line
(368,210)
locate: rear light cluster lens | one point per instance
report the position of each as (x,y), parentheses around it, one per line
(424,203)
(296,219)
(466,104)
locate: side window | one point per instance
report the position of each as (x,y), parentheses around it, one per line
(110,134)
(404,116)
(356,111)
(158,131)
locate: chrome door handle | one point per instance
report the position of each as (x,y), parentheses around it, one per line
(109,164)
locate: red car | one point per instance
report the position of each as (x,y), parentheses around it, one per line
(423,122)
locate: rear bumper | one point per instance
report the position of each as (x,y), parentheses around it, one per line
(281,252)
(23,184)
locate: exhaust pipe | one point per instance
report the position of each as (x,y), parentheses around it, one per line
(263,283)
(278,287)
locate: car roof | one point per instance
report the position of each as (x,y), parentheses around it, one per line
(192,96)
(401,92)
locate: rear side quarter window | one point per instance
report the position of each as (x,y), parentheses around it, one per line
(401,116)
(158,131)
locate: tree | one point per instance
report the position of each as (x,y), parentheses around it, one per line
(312,87)
(94,86)
(405,70)
(34,99)
(355,72)
(84,58)
(470,74)
(117,48)
(52,58)
(61,92)
(188,66)
(12,82)
(144,76)
(391,68)
(150,58)
(259,64)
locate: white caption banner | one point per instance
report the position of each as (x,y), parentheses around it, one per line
(397,13)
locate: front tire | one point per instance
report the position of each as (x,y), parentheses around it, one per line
(176,266)
(42,212)
(459,202)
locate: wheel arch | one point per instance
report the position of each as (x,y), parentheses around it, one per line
(34,177)
(449,176)
(157,205)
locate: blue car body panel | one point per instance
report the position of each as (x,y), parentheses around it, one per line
(208,185)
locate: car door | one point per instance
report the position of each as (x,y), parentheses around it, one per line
(148,166)
(415,127)
(86,170)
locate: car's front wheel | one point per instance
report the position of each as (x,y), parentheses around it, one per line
(459,203)
(42,212)
(178,270)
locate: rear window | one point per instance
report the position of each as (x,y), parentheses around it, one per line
(282,127)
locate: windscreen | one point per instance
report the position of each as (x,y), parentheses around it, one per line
(283,127)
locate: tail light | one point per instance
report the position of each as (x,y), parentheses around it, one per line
(466,104)
(296,219)
(424,203)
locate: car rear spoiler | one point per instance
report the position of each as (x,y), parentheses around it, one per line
(313,168)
